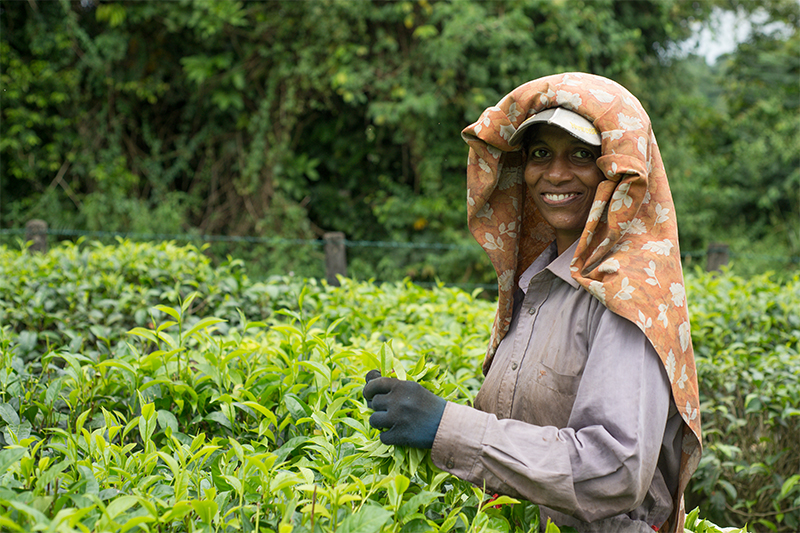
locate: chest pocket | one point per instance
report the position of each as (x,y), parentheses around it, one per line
(561,339)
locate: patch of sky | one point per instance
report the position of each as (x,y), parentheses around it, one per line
(724,31)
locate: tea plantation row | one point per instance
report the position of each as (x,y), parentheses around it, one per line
(143,389)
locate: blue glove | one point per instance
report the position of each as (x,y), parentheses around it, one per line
(408,412)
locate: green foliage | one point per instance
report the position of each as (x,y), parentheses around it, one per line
(746,335)
(732,142)
(292,118)
(694,524)
(192,423)
(141,388)
(85,296)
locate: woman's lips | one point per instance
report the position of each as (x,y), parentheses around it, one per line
(559,198)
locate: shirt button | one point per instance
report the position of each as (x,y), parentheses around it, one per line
(532,310)
(450,463)
(513,366)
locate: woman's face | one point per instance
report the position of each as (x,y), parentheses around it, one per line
(562,176)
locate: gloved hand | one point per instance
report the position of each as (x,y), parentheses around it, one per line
(408,412)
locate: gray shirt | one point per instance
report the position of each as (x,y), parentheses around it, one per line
(575,413)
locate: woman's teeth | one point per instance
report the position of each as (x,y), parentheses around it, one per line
(559,197)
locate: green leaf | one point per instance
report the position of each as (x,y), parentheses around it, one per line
(92,487)
(167,420)
(289,446)
(204,323)
(9,415)
(205,509)
(188,301)
(551,527)
(10,524)
(788,485)
(10,456)
(691,519)
(171,311)
(385,361)
(323,370)
(296,407)
(147,421)
(260,408)
(24,509)
(49,475)
(368,519)
(120,505)
(397,488)
(398,368)
(501,500)
(144,333)
(136,521)
(116,363)
(220,418)
(421,499)
(177,511)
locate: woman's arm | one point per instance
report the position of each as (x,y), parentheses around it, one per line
(602,463)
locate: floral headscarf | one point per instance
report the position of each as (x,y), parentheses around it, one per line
(627,256)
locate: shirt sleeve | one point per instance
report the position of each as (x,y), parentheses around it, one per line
(602,463)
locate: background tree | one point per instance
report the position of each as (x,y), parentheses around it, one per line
(290,119)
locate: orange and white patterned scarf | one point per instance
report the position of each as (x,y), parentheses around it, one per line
(627,256)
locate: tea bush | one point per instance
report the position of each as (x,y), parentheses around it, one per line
(142,389)
(747,341)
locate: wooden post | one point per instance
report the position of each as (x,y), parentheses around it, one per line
(718,255)
(36,232)
(335,257)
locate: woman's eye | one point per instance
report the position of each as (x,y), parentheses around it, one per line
(538,153)
(584,154)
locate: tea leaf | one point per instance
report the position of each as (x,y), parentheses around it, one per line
(786,488)
(220,418)
(551,527)
(120,505)
(205,509)
(9,415)
(203,324)
(368,519)
(167,420)
(171,311)
(10,524)
(10,456)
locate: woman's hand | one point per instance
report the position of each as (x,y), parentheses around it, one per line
(408,412)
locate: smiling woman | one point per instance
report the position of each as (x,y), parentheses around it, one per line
(590,406)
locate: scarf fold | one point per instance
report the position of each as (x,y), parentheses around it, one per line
(627,256)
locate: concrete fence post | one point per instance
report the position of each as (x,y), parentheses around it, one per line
(335,257)
(718,256)
(36,233)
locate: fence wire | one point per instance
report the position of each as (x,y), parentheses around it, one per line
(687,255)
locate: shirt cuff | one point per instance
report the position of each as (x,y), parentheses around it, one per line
(459,439)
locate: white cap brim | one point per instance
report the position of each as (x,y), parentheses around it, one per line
(568,120)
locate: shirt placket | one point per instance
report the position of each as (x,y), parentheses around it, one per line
(538,291)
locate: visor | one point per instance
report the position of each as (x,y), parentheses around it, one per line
(574,123)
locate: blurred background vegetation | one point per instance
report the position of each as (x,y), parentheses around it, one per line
(290,119)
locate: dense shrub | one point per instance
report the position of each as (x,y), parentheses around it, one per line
(86,296)
(747,340)
(135,394)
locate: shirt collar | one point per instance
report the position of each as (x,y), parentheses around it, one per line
(559,265)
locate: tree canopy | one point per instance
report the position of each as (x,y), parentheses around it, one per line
(295,118)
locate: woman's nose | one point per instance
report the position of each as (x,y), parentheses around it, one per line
(558,170)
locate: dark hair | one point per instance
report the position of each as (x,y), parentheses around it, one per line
(526,139)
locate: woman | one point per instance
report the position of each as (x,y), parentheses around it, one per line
(590,405)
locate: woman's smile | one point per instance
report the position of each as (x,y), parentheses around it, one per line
(554,199)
